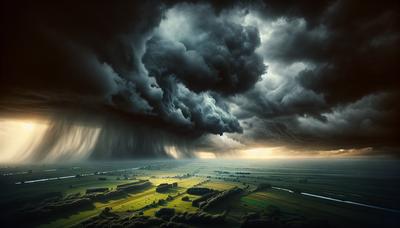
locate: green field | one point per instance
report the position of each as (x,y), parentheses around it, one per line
(63,202)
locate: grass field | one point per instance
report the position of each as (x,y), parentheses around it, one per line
(366,182)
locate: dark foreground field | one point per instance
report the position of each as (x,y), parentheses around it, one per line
(203,193)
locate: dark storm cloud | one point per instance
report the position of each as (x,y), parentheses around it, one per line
(351,43)
(205,53)
(299,73)
(344,95)
(86,57)
(368,122)
(96,48)
(91,49)
(197,111)
(280,95)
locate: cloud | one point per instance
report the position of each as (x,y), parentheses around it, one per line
(363,122)
(279,94)
(330,81)
(205,53)
(201,112)
(78,63)
(298,74)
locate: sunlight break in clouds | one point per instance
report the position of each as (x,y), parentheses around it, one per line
(20,141)
(17,138)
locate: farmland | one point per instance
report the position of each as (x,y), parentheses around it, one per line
(247,193)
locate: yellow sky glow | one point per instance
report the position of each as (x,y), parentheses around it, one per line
(281,152)
(17,138)
(20,138)
(205,155)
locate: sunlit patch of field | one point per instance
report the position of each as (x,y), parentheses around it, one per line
(178,204)
(220,185)
(183,206)
(133,201)
(184,182)
(136,201)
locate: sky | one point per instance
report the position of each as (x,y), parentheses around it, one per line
(182,79)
